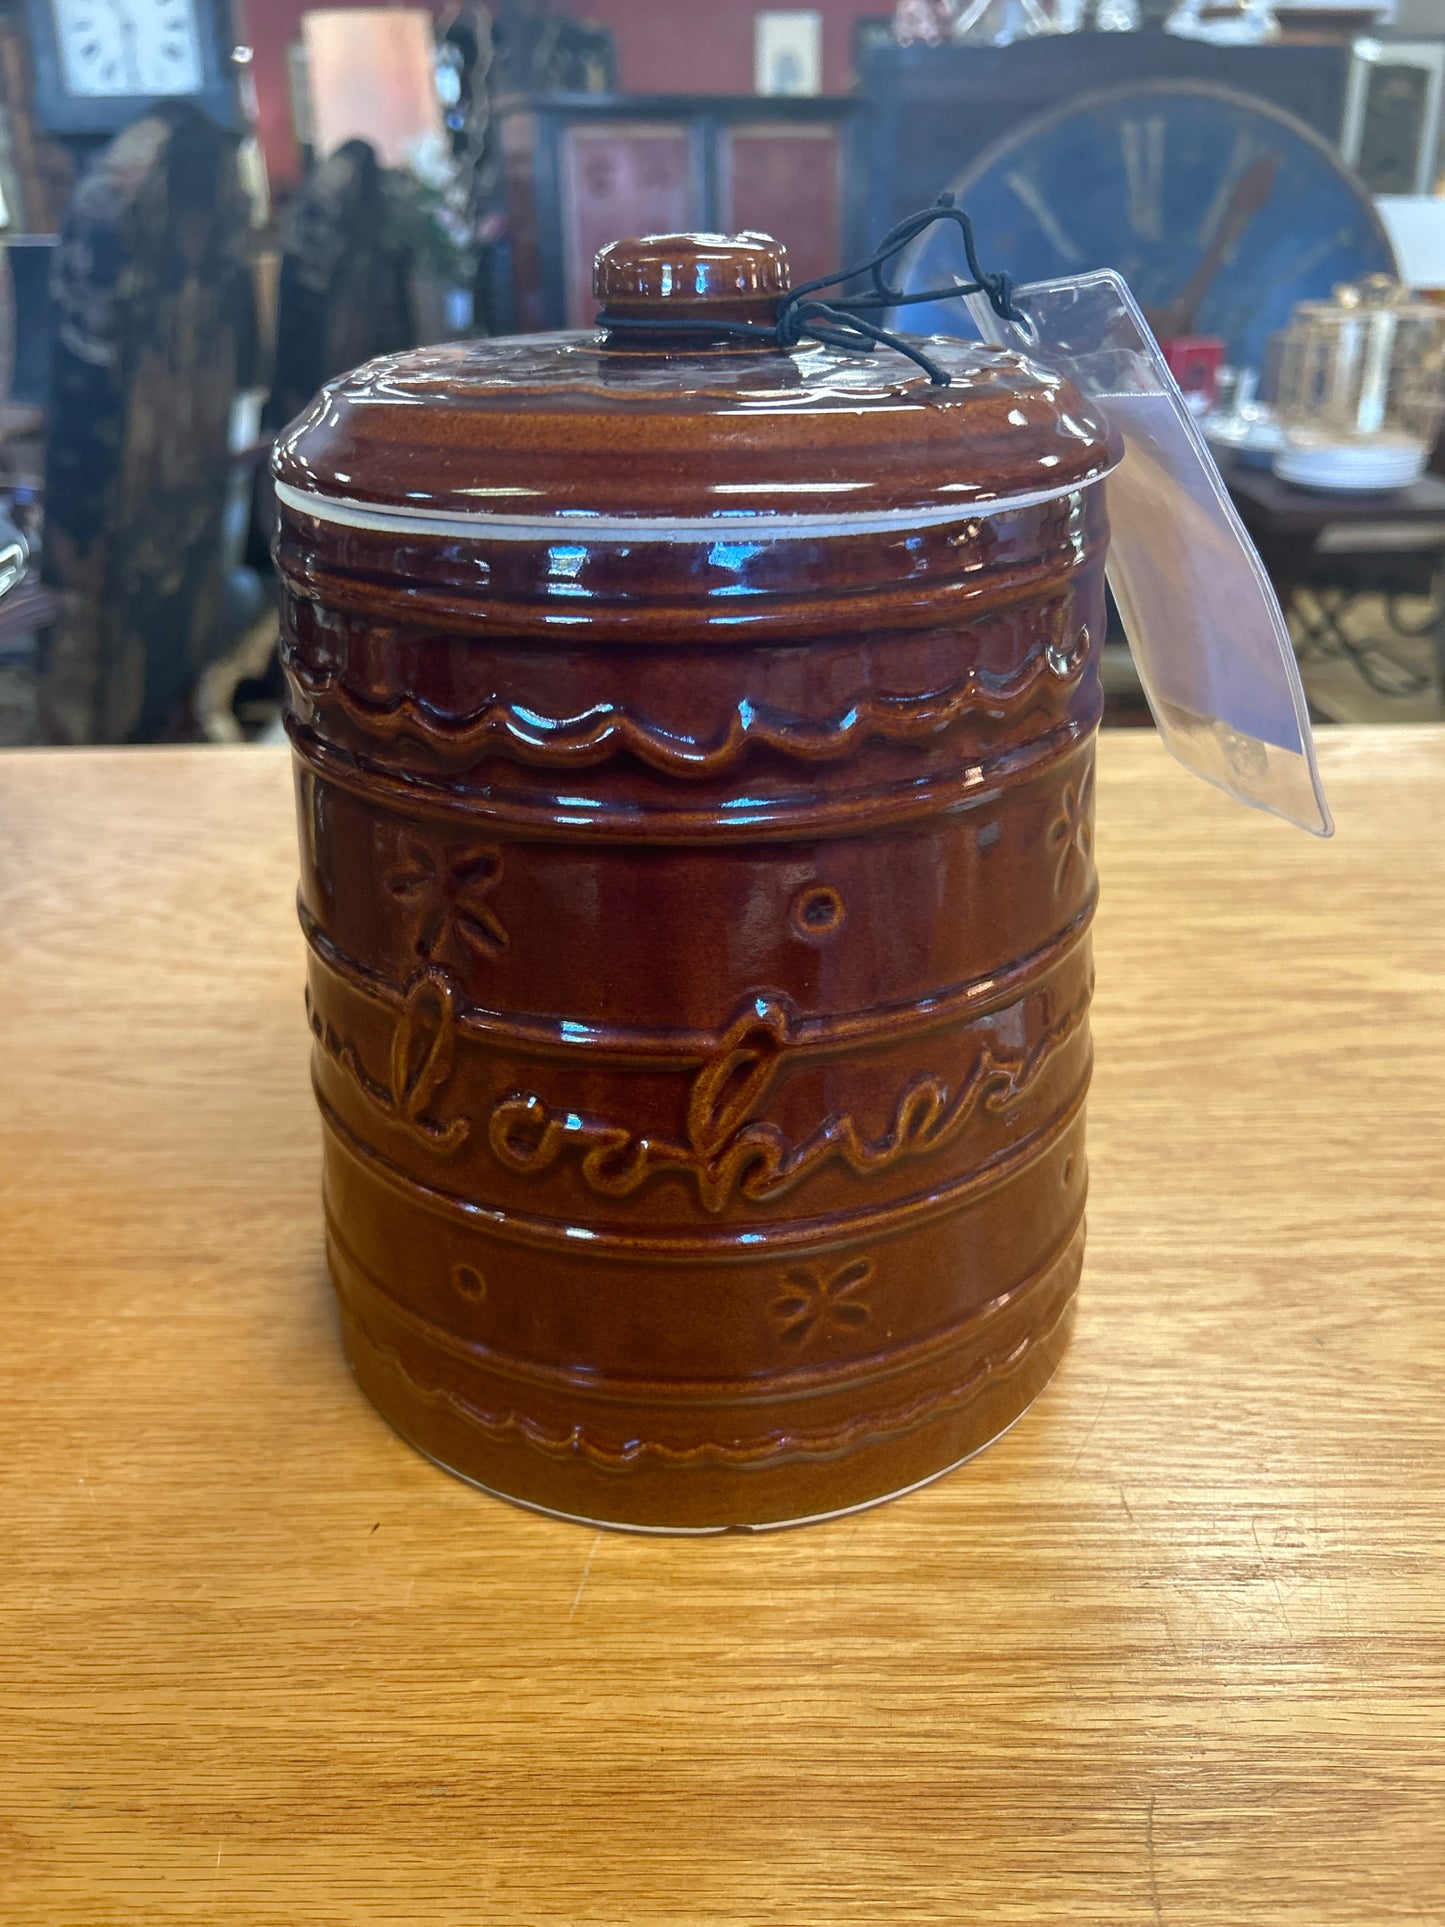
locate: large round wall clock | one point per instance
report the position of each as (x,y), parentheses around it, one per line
(99,64)
(1220,211)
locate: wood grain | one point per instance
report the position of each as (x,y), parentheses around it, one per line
(1172,1652)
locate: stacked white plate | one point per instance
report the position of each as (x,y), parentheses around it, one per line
(1364,467)
(1252,436)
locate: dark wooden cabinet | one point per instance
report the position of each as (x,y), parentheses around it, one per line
(827,176)
(584,170)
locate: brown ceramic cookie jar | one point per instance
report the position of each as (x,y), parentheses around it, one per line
(694,746)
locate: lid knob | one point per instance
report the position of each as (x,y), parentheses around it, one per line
(697,277)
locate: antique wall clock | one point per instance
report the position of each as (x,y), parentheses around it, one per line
(99,64)
(1220,211)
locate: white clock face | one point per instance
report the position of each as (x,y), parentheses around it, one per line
(129,47)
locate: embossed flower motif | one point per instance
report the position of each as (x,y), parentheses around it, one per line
(1072,832)
(451,919)
(812,1302)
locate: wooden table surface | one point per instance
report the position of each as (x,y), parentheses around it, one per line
(1173,1651)
(1275,507)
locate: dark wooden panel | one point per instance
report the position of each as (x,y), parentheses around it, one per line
(584,169)
(787,181)
(631,177)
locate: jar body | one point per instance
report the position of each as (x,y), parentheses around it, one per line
(699,977)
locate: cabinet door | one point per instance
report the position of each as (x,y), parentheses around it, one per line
(619,179)
(787,181)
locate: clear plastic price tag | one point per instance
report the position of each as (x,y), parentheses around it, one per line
(1207,633)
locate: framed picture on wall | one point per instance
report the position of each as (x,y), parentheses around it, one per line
(788,51)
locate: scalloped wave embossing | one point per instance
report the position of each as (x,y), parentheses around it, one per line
(822,1443)
(606,730)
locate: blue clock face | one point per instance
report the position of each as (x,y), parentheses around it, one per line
(1219,211)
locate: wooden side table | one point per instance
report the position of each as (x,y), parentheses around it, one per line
(1336,548)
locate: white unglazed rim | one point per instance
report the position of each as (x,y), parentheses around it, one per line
(577,525)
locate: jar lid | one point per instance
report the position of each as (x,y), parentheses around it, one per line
(665,418)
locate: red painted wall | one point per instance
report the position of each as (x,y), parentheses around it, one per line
(663,47)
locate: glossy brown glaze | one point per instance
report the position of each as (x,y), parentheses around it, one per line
(698,923)
(582,426)
(737,276)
